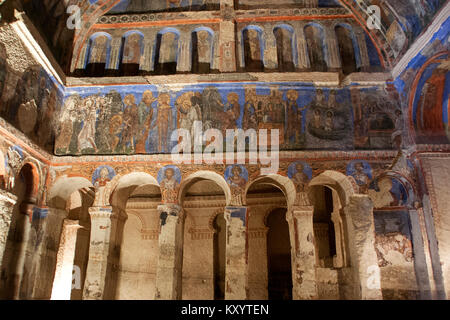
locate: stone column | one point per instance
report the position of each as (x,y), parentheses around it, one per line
(339,259)
(334,60)
(115,56)
(23,225)
(184,52)
(363,257)
(227,42)
(270,50)
(62,283)
(170,260)
(363,53)
(146,64)
(94,286)
(420,262)
(302,48)
(236,258)
(304,286)
(227,47)
(7,202)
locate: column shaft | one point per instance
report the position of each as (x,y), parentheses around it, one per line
(7,202)
(303,255)
(170,260)
(236,259)
(62,283)
(94,287)
(363,257)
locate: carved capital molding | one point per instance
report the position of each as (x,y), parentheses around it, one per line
(147,234)
(201,233)
(100,212)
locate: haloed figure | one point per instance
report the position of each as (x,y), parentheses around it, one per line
(164,120)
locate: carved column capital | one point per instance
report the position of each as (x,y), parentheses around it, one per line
(100,212)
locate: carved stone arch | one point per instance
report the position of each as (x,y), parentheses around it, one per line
(89,15)
(281,182)
(38,179)
(267,213)
(213,217)
(118,190)
(61,190)
(205,175)
(344,185)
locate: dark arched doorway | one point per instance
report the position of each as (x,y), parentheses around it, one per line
(279,256)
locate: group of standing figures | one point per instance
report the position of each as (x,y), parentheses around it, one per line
(119,123)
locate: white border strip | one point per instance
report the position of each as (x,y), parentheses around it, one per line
(36,50)
(422,41)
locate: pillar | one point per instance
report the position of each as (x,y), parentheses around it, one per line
(7,202)
(227,44)
(270,50)
(170,260)
(363,257)
(62,283)
(304,286)
(303,58)
(236,258)
(184,53)
(115,57)
(94,286)
(334,60)
(339,259)
(420,263)
(363,53)
(22,233)
(146,59)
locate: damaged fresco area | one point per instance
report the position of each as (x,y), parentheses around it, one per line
(140,119)
(402,21)
(393,238)
(34,106)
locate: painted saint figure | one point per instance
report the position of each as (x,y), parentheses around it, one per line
(86,137)
(169,186)
(237,184)
(130,122)
(164,121)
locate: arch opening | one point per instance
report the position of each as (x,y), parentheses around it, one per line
(253,49)
(203,203)
(315,42)
(285,43)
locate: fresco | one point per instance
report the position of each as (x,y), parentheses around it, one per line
(137,6)
(402,21)
(34,106)
(393,238)
(169,179)
(252,4)
(431,103)
(102,175)
(300,173)
(361,171)
(387,192)
(237,177)
(140,119)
